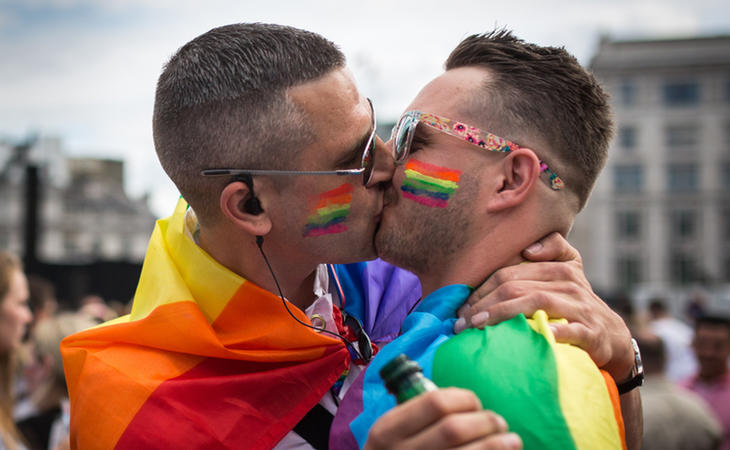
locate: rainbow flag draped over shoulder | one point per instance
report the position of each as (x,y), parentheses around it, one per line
(551,394)
(204,360)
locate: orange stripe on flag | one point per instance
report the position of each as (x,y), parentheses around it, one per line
(616,403)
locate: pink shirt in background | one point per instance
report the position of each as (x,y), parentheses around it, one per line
(717,396)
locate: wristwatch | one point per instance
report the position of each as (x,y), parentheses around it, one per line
(636,378)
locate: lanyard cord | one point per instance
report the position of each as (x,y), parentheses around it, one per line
(260,243)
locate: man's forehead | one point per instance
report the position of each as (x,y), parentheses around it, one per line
(452,94)
(338,116)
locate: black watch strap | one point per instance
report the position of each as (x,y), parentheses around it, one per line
(637,372)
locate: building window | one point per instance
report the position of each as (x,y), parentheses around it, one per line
(726,224)
(682,178)
(681,137)
(725,175)
(628,93)
(681,268)
(628,225)
(682,93)
(683,223)
(627,137)
(628,178)
(726,274)
(628,271)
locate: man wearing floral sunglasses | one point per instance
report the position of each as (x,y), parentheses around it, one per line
(237,338)
(460,191)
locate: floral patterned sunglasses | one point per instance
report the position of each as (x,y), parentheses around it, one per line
(402,138)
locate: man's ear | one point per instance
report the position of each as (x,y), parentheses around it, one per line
(244,210)
(519,171)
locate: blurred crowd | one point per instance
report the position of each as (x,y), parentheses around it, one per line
(34,409)
(686,393)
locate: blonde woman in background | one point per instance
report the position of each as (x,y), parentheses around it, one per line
(14,318)
(52,395)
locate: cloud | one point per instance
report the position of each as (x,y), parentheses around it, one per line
(86,69)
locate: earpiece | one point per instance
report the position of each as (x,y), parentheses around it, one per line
(253,205)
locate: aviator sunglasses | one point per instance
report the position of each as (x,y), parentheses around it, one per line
(366,163)
(402,139)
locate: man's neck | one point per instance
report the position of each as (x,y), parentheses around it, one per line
(471,266)
(295,278)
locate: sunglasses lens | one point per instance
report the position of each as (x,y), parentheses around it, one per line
(402,136)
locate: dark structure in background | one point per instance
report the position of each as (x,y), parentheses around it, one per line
(71,221)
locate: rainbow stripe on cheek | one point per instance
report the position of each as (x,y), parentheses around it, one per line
(331,210)
(428,184)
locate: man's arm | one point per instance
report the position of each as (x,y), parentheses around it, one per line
(633,419)
(445,418)
(555,282)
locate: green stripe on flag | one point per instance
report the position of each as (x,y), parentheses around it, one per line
(512,369)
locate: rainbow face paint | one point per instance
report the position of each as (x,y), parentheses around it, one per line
(429,185)
(331,210)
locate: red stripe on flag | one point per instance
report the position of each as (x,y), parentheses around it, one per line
(232,404)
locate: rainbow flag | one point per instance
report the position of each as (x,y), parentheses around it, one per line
(428,184)
(195,364)
(331,210)
(551,394)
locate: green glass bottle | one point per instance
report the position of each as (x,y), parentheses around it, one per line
(404,378)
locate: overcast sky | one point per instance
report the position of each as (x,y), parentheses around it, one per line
(85,70)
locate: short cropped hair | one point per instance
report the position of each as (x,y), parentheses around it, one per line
(221,102)
(544,93)
(713,321)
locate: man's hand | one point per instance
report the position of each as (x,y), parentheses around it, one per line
(555,283)
(445,418)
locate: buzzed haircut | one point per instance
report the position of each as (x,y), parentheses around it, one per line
(543,92)
(221,103)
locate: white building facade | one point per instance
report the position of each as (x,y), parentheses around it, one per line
(659,216)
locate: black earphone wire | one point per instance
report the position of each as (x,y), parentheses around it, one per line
(260,243)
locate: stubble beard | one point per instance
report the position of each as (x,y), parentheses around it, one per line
(424,240)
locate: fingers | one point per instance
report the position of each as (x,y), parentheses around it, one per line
(496,442)
(459,429)
(558,300)
(422,411)
(553,247)
(447,418)
(579,335)
(509,277)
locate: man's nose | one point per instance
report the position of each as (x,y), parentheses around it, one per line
(383,164)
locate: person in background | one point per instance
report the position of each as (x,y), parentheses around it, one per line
(14,319)
(696,305)
(677,338)
(30,372)
(48,427)
(674,418)
(42,301)
(712,381)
